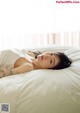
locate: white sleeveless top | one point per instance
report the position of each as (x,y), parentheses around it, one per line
(9,57)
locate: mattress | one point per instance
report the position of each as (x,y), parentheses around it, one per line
(43,90)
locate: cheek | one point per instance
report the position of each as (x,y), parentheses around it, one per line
(45,61)
(45,64)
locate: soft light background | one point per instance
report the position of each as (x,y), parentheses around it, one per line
(30,23)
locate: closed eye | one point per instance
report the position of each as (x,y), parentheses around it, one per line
(50,61)
(51,54)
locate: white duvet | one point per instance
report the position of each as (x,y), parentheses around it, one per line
(44,91)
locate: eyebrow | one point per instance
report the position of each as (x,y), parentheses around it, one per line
(55,56)
(53,61)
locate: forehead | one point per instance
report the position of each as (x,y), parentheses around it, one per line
(57,58)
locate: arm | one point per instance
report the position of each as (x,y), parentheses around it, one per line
(21,69)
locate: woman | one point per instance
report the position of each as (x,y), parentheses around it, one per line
(15,62)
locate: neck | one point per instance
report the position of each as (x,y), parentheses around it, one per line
(35,64)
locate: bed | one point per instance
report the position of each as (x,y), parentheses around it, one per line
(43,91)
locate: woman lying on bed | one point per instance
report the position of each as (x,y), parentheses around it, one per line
(15,62)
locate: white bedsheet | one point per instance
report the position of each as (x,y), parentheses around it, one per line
(45,91)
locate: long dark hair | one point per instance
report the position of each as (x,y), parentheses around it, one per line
(65,62)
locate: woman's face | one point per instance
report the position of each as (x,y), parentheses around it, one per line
(48,60)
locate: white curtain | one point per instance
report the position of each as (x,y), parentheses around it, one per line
(28,23)
(37,40)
